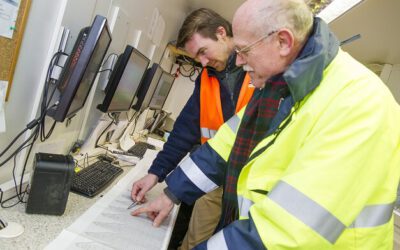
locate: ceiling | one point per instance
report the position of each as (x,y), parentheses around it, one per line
(225,8)
(376,21)
(378,24)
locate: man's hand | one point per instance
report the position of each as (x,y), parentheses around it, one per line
(156,210)
(140,187)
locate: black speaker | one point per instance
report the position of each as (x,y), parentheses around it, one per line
(50,184)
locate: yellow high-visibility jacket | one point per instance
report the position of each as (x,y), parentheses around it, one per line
(325,179)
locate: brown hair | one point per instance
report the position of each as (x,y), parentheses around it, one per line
(203,21)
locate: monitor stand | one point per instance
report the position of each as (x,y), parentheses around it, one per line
(159,120)
(11,230)
(126,142)
(135,131)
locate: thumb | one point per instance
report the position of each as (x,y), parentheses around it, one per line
(141,194)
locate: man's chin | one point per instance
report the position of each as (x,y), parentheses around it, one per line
(219,68)
(257,82)
(258,85)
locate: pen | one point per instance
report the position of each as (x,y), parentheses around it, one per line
(132,205)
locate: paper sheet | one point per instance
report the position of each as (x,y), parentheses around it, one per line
(155,142)
(109,225)
(8,17)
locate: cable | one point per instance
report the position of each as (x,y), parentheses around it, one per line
(192,70)
(35,122)
(3,225)
(105,61)
(43,135)
(133,116)
(103,70)
(108,57)
(19,192)
(12,142)
(17,150)
(138,114)
(96,145)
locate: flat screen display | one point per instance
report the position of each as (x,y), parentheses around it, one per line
(125,81)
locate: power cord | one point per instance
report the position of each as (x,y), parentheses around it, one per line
(98,138)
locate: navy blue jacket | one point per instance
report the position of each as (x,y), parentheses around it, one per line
(186,132)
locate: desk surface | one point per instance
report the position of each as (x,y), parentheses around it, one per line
(75,227)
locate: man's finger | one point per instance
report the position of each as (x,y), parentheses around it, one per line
(140,195)
(140,210)
(134,191)
(160,218)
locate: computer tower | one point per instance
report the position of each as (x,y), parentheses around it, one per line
(50,184)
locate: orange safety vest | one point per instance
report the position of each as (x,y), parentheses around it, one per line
(211,116)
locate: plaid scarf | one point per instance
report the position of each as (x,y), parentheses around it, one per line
(255,123)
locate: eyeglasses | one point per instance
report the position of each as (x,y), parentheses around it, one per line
(243,51)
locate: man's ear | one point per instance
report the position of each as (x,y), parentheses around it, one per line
(220,32)
(286,41)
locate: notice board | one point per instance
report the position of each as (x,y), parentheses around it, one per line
(9,47)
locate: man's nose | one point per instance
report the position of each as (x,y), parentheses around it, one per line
(240,61)
(203,60)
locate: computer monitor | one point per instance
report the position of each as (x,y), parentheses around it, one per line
(161,93)
(125,80)
(81,69)
(148,87)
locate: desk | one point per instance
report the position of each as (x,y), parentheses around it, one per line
(79,227)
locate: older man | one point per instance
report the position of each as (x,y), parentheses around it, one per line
(322,172)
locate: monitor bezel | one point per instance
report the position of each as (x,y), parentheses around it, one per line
(116,76)
(160,107)
(62,110)
(145,93)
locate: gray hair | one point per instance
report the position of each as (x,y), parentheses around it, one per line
(294,15)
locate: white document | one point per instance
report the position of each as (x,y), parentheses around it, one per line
(8,17)
(155,142)
(109,225)
(3,91)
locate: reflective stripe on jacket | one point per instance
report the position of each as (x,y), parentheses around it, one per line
(211,117)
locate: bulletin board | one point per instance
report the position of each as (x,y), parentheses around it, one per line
(9,48)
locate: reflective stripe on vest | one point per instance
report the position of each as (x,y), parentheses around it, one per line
(373,216)
(217,241)
(244,206)
(193,172)
(370,216)
(320,219)
(211,116)
(233,123)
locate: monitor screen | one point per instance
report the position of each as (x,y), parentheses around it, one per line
(161,93)
(124,81)
(148,87)
(81,69)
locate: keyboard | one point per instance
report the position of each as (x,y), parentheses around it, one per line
(94,178)
(140,148)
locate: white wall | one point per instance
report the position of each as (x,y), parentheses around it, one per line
(45,18)
(173,12)
(179,94)
(391,76)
